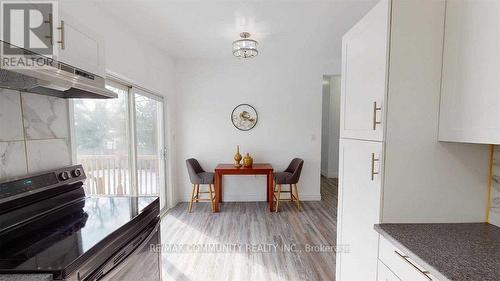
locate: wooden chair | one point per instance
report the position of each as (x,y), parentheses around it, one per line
(198,176)
(290,177)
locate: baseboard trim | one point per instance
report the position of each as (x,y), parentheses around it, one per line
(256,198)
(310,197)
(333,175)
(329,175)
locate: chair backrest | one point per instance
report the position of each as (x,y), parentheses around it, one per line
(295,168)
(194,168)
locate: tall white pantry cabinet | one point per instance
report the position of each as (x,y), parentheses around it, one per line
(392,167)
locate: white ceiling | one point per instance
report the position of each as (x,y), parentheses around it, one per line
(206,29)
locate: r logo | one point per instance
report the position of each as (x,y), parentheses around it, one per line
(27,25)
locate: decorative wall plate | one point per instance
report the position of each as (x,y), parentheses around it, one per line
(244,117)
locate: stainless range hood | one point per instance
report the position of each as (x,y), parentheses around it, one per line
(54,78)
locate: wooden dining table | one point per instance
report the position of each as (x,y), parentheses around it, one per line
(256,169)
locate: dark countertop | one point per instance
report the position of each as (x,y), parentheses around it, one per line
(67,237)
(450,251)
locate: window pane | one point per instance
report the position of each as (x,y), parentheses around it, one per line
(102,142)
(149,142)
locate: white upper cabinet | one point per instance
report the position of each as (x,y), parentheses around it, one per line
(73,42)
(364,76)
(470,94)
(79,46)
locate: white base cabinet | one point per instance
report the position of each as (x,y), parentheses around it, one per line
(399,264)
(385,274)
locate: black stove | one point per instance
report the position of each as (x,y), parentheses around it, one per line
(48,225)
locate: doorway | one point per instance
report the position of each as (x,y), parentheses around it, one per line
(330,132)
(120,143)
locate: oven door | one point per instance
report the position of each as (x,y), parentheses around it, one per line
(132,262)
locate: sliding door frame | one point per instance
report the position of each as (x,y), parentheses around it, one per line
(165,184)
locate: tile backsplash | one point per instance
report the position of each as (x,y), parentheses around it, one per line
(495,191)
(34,133)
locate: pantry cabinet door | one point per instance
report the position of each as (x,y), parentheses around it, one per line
(364,76)
(360,177)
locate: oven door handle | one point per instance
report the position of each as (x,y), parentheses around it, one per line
(116,262)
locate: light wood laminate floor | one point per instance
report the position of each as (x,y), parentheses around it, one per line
(247,242)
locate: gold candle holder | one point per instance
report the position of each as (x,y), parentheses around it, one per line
(237,158)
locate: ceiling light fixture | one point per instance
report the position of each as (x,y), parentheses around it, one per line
(245,47)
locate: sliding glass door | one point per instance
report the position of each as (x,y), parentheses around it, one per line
(120,142)
(149,143)
(102,142)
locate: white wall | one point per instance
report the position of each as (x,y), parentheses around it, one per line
(331,130)
(132,58)
(285,94)
(128,55)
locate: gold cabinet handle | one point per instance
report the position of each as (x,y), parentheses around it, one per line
(373,166)
(50,21)
(61,28)
(406,258)
(375,109)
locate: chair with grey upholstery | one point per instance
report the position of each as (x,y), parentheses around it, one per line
(198,176)
(289,177)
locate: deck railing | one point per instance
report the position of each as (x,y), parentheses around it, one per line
(110,174)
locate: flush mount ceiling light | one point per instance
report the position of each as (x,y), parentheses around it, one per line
(245,47)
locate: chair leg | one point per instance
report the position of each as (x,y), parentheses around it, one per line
(278,198)
(275,190)
(197,193)
(297,197)
(192,198)
(211,197)
(291,194)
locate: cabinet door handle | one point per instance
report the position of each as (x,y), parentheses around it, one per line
(51,29)
(375,109)
(61,28)
(407,259)
(373,166)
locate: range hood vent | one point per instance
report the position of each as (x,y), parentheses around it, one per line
(54,79)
